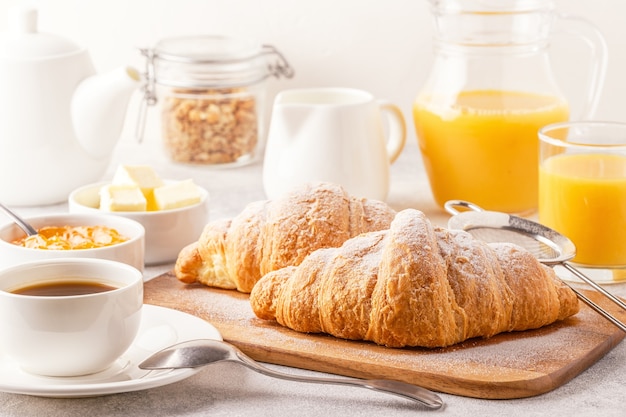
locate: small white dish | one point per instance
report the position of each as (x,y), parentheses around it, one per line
(167,231)
(160,327)
(131,252)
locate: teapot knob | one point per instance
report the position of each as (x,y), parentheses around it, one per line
(23,19)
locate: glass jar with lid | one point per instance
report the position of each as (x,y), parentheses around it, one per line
(211,91)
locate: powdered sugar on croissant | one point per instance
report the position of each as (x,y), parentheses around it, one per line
(268,235)
(414,285)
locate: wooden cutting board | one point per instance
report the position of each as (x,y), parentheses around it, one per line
(512,365)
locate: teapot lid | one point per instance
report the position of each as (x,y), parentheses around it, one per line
(23,41)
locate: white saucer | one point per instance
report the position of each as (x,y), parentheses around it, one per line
(160,327)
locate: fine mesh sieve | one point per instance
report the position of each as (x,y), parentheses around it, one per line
(547,245)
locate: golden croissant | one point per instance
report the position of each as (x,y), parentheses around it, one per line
(414,285)
(269,235)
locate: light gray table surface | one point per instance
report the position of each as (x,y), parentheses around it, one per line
(230,390)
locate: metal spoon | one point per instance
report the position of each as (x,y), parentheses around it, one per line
(23,224)
(196,353)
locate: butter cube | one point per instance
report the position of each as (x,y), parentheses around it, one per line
(142,176)
(176,195)
(122,198)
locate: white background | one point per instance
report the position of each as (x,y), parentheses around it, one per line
(381,46)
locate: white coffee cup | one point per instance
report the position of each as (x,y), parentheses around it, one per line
(335,135)
(69,335)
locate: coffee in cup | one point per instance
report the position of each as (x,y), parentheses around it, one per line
(69,317)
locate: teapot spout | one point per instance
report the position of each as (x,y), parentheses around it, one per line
(98,109)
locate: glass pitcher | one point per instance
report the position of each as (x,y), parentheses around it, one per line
(490,89)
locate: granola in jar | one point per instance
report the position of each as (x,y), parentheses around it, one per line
(210,126)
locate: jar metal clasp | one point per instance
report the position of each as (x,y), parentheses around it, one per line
(281,67)
(149,95)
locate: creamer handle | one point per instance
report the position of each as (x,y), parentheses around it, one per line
(397,129)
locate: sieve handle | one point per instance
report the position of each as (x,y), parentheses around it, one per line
(598,309)
(594,285)
(451,206)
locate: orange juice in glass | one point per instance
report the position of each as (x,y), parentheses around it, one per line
(482,146)
(582,192)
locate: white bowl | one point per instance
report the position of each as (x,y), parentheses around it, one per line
(69,335)
(167,231)
(130,252)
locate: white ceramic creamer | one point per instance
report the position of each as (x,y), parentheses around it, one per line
(335,135)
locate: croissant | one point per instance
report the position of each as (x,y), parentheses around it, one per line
(271,234)
(414,285)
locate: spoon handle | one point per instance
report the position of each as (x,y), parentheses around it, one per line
(27,228)
(402,389)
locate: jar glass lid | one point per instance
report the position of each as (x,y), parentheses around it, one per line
(209,62)
(206,49)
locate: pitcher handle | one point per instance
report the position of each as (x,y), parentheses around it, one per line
(397,129)
(580,27)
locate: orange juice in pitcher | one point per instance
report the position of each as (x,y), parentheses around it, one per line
(483,147)
(489,91)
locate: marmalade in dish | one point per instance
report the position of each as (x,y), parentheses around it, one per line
(72,238)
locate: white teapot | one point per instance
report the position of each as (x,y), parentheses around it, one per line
(59,122)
